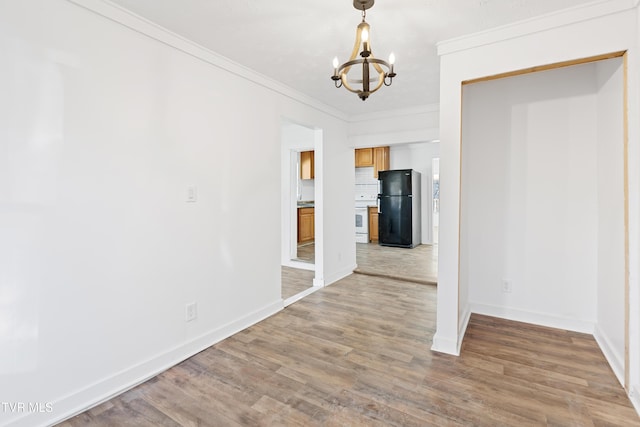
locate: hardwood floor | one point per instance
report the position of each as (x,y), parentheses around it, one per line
(295,280)
(306,252)
(357,354)
(419,264)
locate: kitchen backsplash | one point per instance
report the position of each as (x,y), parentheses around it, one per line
(365,182)
(306,189)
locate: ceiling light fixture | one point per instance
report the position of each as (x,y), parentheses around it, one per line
(340,73)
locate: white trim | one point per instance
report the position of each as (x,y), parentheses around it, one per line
(616,360)
(141,25)
(339,275)
(634,396)
(452,345)
(300,265)
(299,296)
(537,24)
(393,138)
(462,330)
(403,112)
(536,318)
(107,388)
(445,345)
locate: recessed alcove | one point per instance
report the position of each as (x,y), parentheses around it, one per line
(542,200)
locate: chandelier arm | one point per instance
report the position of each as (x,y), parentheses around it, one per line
(379,84)
(376,61)
(353,62)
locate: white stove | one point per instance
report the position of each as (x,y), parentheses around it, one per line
(362,202)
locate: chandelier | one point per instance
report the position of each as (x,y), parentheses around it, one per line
(373,73)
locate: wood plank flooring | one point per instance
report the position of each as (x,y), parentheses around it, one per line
(419,264)
(306,252)
(357,354)
(295,281)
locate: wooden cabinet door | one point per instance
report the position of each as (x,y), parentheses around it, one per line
(380,160)
(364,157)
(306,226)
(373,223)
(307,165)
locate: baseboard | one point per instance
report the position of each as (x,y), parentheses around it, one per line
(341,274)
(634,396)
(299,296)
(107,388)
(452,345)
(445,345)
(536,318)
(616,360)
(462,329)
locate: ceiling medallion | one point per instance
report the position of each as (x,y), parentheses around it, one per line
(372,67)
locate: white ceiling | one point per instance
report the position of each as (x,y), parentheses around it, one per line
(294,41)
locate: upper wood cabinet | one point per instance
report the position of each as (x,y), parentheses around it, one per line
(378,157)
(364,157)
(307,165)
(380,160)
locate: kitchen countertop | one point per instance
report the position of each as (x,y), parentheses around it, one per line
(306,204)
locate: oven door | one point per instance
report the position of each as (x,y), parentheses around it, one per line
(362,225)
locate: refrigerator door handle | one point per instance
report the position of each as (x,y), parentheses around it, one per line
(378,203)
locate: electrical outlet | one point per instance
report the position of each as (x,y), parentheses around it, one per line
(191,311)
(506,286)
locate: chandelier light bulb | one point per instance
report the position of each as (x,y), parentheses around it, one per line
(392,59)
(335,62)
(365,35)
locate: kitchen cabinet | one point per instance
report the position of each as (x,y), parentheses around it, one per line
(364,157)
(307,165)
(306,226)
(373,223)
(378,157)
(380,160)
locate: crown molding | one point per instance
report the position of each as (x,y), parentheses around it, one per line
(537,24)
(126,18)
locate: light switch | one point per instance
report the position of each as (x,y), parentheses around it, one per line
(192,194)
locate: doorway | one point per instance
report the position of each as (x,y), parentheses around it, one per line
(300,204)
(418,264)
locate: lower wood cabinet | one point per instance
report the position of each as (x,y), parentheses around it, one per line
(373,223)
(306,226)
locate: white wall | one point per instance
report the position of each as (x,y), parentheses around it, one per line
(593,29)
(529,204)
(419,156)
(611,267)
(307,189)
(102,131)
(394,127)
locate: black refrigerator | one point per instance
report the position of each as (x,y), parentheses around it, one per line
(399,215)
